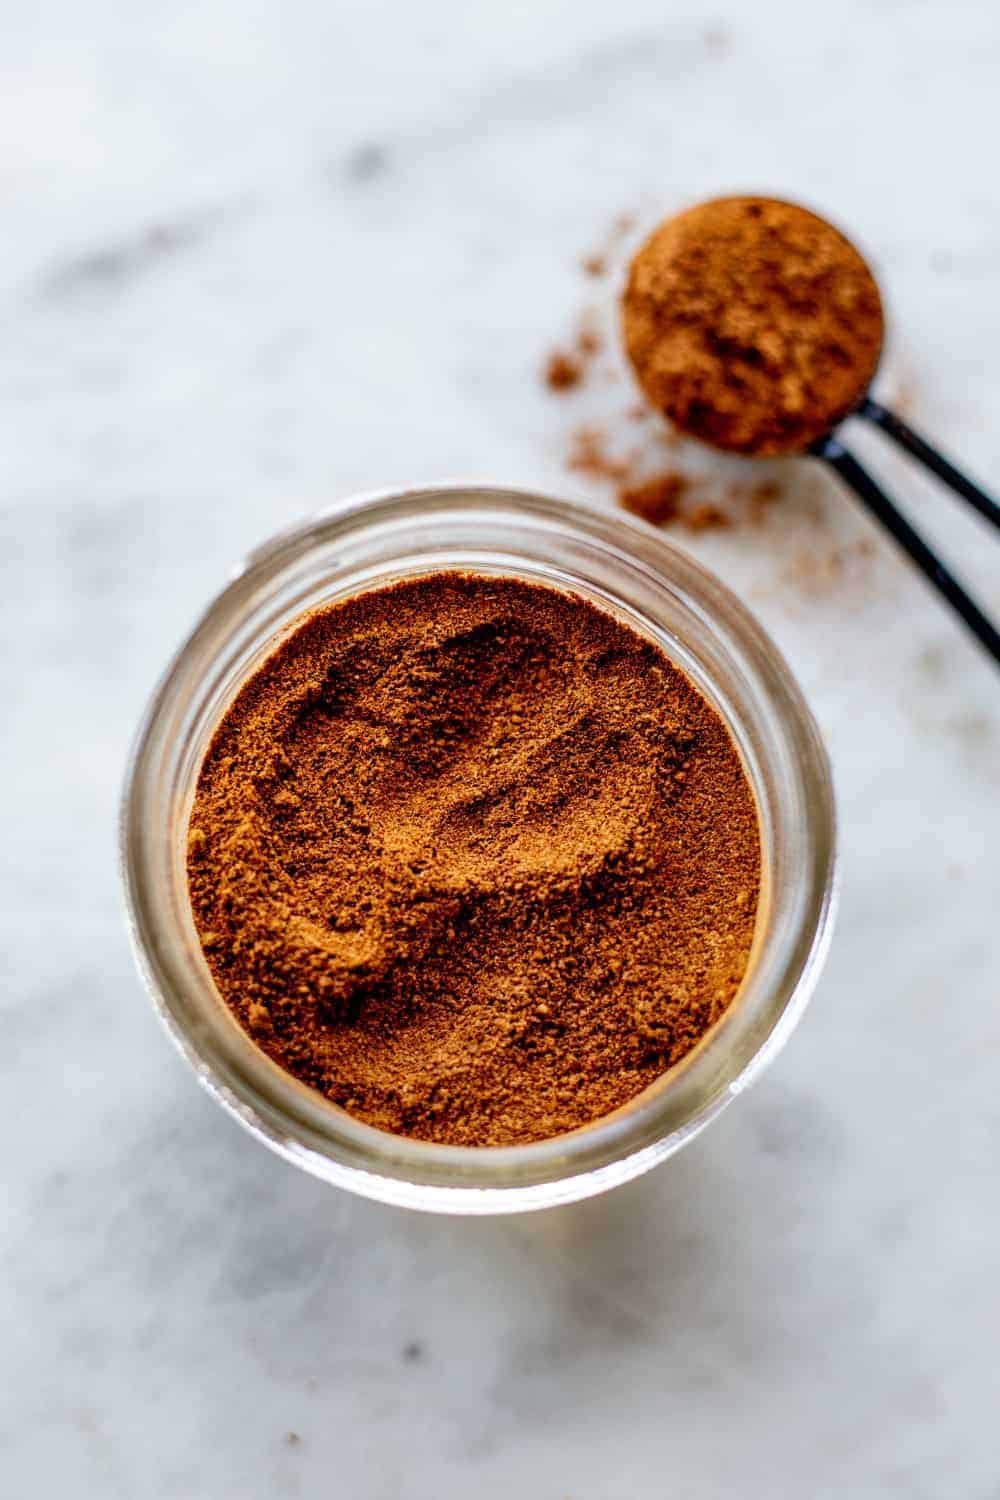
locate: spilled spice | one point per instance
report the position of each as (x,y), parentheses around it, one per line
(667,496)
(752,324)
(562,370)
(588,454)
(471,857)
(599,262)
(707,517)
(630,449)
(818,573)
(565,368)
(631,452)
(656,500)
(660,501)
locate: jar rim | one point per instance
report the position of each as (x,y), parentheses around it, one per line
(297,1121)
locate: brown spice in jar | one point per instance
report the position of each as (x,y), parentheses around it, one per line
(471,857)
(752,324)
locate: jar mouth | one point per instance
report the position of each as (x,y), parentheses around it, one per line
(621,564)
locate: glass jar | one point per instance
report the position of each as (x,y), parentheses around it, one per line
(621,565)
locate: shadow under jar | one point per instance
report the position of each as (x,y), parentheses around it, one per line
(623,567)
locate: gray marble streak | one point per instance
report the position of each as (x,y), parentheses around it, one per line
(259,256)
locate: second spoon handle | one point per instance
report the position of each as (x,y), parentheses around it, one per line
(877,501)
(921,449)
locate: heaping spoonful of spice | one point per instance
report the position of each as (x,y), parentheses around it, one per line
(755,326)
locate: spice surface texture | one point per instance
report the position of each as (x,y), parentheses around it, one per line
(752,324)
(472,858)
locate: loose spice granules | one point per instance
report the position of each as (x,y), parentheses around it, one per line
(562,371)
(656,500)
(752,324)
(667,497)
(566,368)
(474,859)
(588,454)
(598,262)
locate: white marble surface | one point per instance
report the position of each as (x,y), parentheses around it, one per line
(259,255)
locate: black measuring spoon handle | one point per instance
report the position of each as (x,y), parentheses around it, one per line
(921,449)
(833,452)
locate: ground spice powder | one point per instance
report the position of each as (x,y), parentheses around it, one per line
(752,324)
(472,858)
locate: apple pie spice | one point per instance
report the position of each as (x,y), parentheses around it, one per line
(749,324)
(752,324)
(472,858)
